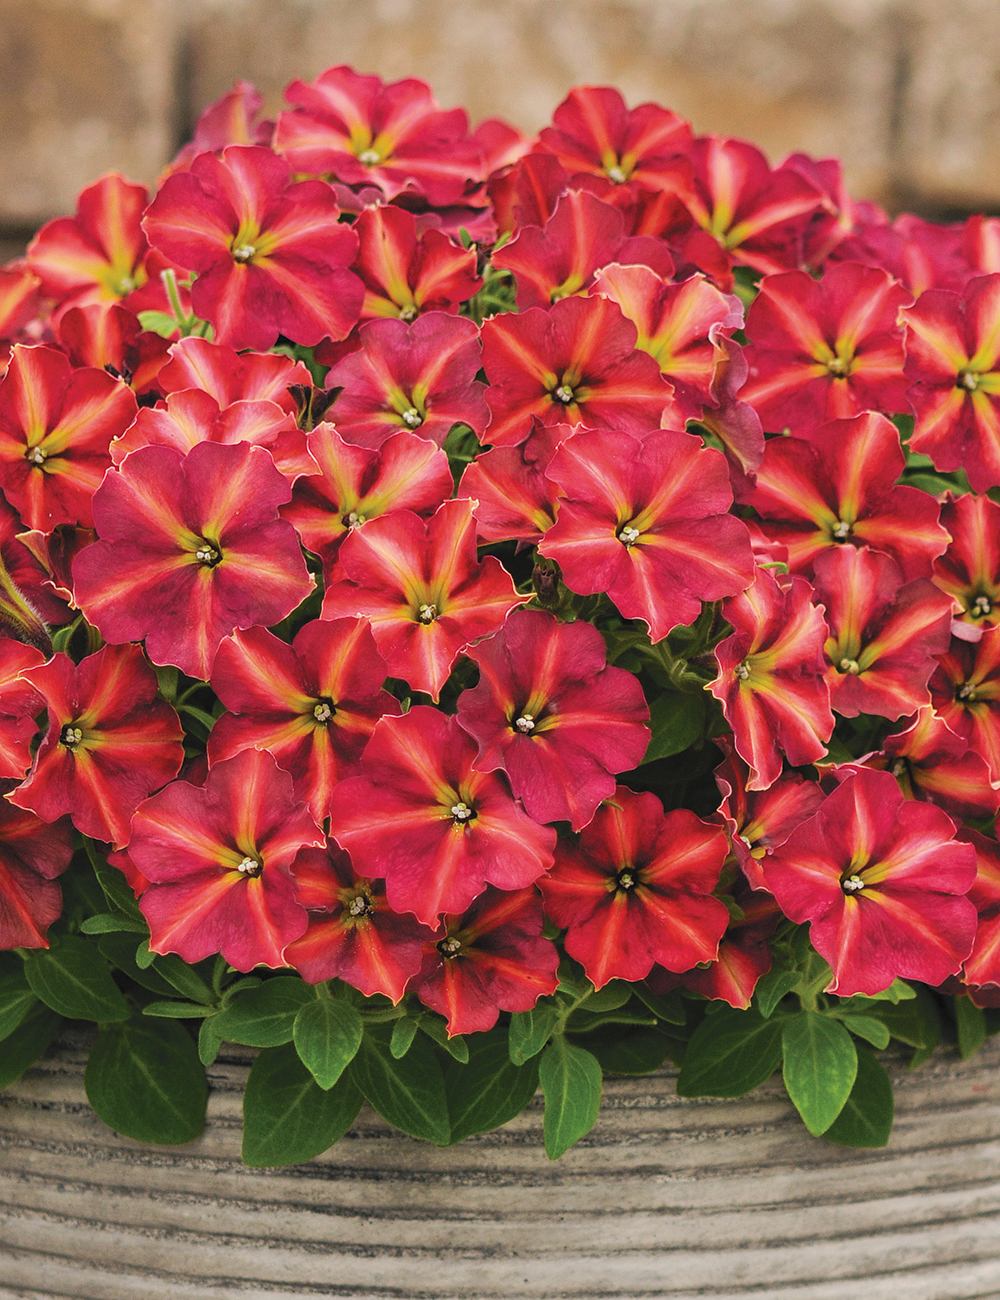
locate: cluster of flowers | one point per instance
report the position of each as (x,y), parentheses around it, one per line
(374,492)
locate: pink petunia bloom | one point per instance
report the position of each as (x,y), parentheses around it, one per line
(231,119)
(110,338)
(20,703)
(771,677)
(20,302)
(32,855)
(353,933)
(420,377)
(220,863)
(421,817)
(982,966)
(423,590)
(405,272)
(312,704)
(230,376)
(511,494)
(644,519)
(884,635)
(576,363)
(110,742)
(190,548)
(965,691)
(56,425)
(637,890)
(825,349)
(492,958)
(882,881)
(271,256)
(835,486)
(953,362)
(551,714)
(969,570)
(363,131)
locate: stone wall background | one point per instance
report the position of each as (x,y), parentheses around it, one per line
(907,92)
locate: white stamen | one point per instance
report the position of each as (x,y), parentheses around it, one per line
(837,366)
(564,394)
(969,381)
(850,666)
(358,906)
(525,723)
(409,312)
(625,880)
(207,554)
(243,253)
(853,884)
(71,736)
(36,456)
(967,691)
(449,947)
(412,418)
(369,158)
(842,532)
(248,867)
(616,175)
(899,768)
(628,536)
(124,286)
(428,613)
(982,606)
(322,712)
(742,672)
(354,520)
(461,812)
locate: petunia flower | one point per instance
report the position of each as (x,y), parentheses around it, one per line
(406,272)
(982,966)
(423,590)
(190,548)
(20,704)
(312,704)
(882,880)
(271,256)
(32,855)
(353,933)
(771,677)
(644,519)
(111,741)
(551,714)
(965,691)
(220,863)
(421,817)
(230,376)
(512,496)
(492,958)
(637,890)
(969,570)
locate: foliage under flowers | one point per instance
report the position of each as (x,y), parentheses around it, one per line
(448,648)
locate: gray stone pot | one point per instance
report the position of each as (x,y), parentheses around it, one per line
(665,1198)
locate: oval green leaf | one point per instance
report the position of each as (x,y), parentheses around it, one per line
(24,1046)
(287,1117)
(144,1079)
(571,1082)
(75,980)
(16,1000)
(408,1092)
(819,1069)
(729,1054)
(489,1090)
(327,1035)
(264,1016)
(866,1120)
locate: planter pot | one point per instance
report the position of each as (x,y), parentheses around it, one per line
(666,1197)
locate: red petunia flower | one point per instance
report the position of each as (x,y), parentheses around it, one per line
(110,742)
(420,377)
(190,549)
(637,890)
(32,855)
(220,862)
(312,704)
(576,363)
(353,933)
(230,376)
(953,361)
(836,486)
(884,635)
(271,257)
(406,273)
(231,119)
(423,590)
(771,677)
(882,881)
(825,349)
(551,714)
(492,958)
(20,295)
(56,424)
(421,817)
(982,966)
(969,570)
(363,131)
(20,704)
(512,496)
(965,691)
(110,338)
(644,519)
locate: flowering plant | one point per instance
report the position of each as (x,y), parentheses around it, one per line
(483,611)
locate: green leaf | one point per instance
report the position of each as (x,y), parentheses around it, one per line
(582,1022)
(327,1035)
(772,987)
(677,721)
(264,1016)
(177,1010)
(403,1032)
(182,977)
(914,1022)
(971,1026)
(668,1008)
(112,881)
(209,1041)
(637,1051)
(75,980)
(16,1000)
(571,1084)
(144,1079)
(23,1047)
(531,1030)
(158,322)
(610,998)
(287,1116)
(119,951)
(437,1031)
(144,956)
(409,1093)
(866,1120)
(868,1028)
(820,1064)
(729,1054)
(112,923)
(489,1090)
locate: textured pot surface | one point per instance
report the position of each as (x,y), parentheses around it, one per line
(666,1197)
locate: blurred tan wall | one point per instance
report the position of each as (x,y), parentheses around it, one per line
(907,92)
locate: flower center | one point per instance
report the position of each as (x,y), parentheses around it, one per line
(742,671)
(564,393)
(981,607)
(207,554)
(852,885)
(243,252)
(626,878)
(250,866)
(462,813)
(450,947)
(628,536)
(850,666)
(359,906)
(968,380)
(427,613)
(71,736)
(124,286)
(354,520)
(841,532)
(369,158)
(525,723)
(616,175)
(412,418)
(899,768)
(967,691)
(409,312)
(36,455)
(323,711)
(838,367)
